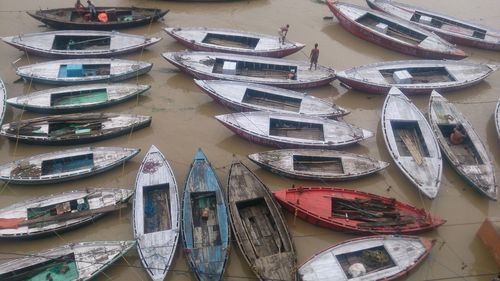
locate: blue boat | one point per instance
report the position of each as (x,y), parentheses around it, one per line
(205,221)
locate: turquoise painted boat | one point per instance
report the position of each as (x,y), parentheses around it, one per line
(205,223)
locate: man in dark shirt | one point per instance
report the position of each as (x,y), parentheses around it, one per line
(314,57)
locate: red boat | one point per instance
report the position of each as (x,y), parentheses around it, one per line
(355,211)
(393,33)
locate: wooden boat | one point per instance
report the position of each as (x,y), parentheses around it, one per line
(241,96)
(489,233)
(75,261)
(317,164)
(393,33)
(77,98)
(80,43)
(411,143)
(354,211)
(65,165)
(259,227)
(76,128)
(3,98)
(232,41)
(205,221)
(384,257)
(469,158)
(497,118)
(74,71)
(286,130)
(118,17)
(54,213)
(156,214)
(454,30)
(251,69)
(415,76)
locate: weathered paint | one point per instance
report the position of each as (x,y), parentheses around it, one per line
(208,258)
(314,204)
(91,258)
(201,64)
(61,18)
(104,158)
(431,47)
(156,249)
(427,175)
(42,101)
(255,126)
(95,197)
(368,78)
(232,94)
(406,252)
(454,30)
(470,159)
(42,43)
(37,130)
(350,165)
(267,46)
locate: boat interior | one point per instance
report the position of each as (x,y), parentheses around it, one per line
(391,28)
(57,268)
(271,100)
(81,42)
(371,259)
(319,164)
(83,70)
(67,164)
(60,129)
(409,140)
(295,129)
(255,69)
(75,205)
(113,15)
(437,74)
(465,152)
(79,97)
(371,212)
(260,226)
(448,25)
(206,231)
(233,41)
(157,213)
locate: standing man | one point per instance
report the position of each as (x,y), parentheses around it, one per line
(92,10)
(314,57)
(282,33)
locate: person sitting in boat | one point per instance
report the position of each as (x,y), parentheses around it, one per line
(292,75)
(79,7)
(92,10)
(458,135)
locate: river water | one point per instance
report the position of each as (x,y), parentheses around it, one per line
(183,121)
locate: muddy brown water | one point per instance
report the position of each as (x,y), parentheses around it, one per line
(183,121)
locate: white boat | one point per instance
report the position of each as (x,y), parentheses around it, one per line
(75,261)
(64,165)
(469,158)
(74,71)
(411,143)
(384,257)
(290,74)
(242,96)
(287,130)
(156,214)
(80,43)
(415,76)
(57,212)
(232,41)
(73,99)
